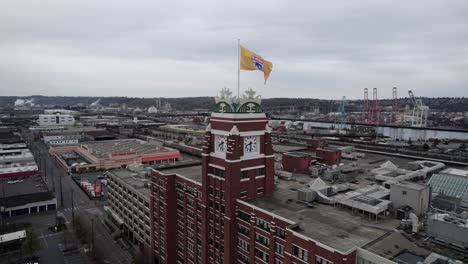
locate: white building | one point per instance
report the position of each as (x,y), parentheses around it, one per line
(56,120)
(61,139)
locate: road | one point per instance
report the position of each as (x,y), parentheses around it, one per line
(57,179)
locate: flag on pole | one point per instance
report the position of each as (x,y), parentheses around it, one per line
(251,62)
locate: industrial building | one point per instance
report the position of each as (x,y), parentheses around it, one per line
(96,135)
(108,154)
(452,183)
(61,138)
(10,137)
(25,196)
(314,143)
(16,160)
(328,156)
(388,173)
(56,120)
(297,162)
(448,227)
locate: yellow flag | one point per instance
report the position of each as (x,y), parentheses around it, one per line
(251,62)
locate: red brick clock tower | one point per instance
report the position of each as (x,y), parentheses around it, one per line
(238,163)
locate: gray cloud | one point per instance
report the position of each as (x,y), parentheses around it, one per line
(319,49)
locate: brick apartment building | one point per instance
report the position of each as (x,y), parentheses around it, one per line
(230,210)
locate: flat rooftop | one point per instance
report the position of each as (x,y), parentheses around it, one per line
(20,192)
(413,185)
(334,227)
(191,172)
(454,171)
(131,178)
(102,149)
(27,185)
(393,245)
(286,148)
(297,154)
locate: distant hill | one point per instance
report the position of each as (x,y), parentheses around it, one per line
(447,104)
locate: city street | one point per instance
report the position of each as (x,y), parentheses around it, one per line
(65,188)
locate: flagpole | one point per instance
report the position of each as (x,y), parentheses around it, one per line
(238,68)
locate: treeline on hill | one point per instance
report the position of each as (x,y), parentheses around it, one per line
(448,104)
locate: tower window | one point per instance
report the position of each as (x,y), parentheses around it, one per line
(244,175)
(260,171)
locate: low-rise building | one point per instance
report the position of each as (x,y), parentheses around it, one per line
(108,154)
(298,162)
(56,120)
(25,196)
(450,228)
(416,196)
(328,156)
(16,161)
(97,135)
(451,183)
(62,138)
(314,143)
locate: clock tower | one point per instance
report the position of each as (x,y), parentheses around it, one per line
(238,163)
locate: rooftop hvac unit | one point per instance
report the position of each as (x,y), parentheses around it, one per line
(306,195)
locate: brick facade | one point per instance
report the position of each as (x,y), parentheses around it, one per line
(212,221)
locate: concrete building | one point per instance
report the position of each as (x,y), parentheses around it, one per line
(56,120)
(417,196)
(129,198)
(63,138)
(296,162)
(108,154)
(450,228)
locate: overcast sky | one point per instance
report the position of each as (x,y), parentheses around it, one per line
(319,49)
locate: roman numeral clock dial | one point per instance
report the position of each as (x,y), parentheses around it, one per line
(251,144)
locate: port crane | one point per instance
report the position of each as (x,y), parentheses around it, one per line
(420,111)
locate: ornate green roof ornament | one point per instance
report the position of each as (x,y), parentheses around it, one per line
(248,103)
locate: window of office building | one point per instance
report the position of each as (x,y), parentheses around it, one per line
(300,253)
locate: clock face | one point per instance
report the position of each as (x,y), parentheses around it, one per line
(221,143)
(251,144)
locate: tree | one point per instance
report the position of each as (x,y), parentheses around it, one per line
(31,244)
(67,238)
(81,228)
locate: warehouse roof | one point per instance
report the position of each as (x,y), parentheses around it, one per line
(27,190)
(102,149)
(450,185)
(339,229)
